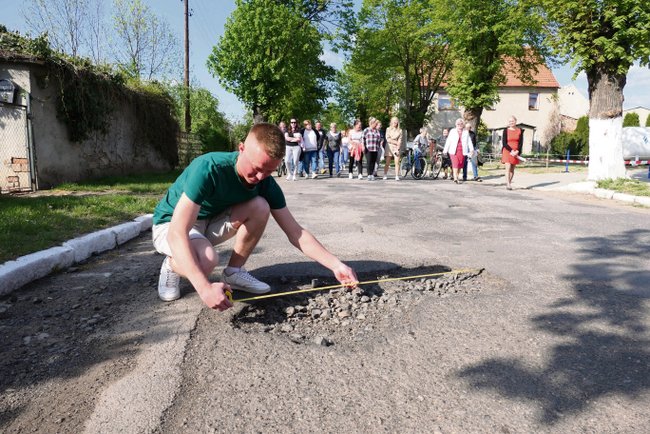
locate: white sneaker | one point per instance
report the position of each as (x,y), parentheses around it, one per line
(396,178)
(350,176)
(168,283)
(293,178)
(314,175)
(360,176)
(371,177)
(385,177)
(288,177)
(243,281)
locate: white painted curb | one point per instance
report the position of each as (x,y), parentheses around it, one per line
(624,197)
(642,200)
(604,193)
(14,274)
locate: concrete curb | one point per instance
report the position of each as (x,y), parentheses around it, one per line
(589,187)
(14,274)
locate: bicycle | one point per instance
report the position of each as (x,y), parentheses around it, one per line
(415,164)
(282,169)
(435,165)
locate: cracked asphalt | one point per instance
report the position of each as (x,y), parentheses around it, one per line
(551,336)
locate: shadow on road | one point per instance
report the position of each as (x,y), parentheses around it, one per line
(604,352)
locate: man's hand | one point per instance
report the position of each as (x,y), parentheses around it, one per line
(215,296)
(346,275)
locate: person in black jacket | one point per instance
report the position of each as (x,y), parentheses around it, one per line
(320,155)
(332,145)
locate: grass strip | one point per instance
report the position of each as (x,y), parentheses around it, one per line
(35,222)
(624,185)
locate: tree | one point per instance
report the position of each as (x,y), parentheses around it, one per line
(485,36)
(582,134)
(647,121)
(631,120)
(604,39)
(208,123)
(145,46)
(269,55)
(69,24)
(399,56)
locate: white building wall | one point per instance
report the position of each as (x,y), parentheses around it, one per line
(514,101)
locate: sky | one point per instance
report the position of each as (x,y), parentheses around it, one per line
(207,21)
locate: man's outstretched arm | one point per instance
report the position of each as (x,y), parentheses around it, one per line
(310,246)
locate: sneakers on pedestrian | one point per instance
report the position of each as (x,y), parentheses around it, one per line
(350,176)
(169,283)
(314,175)
(385,177)
(244,281)
(396,178)
(360,176)
(293,177)
(371,177)
(288,177)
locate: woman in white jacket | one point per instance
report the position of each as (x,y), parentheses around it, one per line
(458,146)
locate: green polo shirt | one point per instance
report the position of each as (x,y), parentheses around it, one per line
(211,181)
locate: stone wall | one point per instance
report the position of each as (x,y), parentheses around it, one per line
(120,151)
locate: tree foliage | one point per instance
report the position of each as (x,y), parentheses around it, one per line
(268,57)
(484,35)
(647,121)
(398,56)
(604,39)
(631,119)
(208,123)
(66,23)
(145,45)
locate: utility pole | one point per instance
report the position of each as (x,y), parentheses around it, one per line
(188,117)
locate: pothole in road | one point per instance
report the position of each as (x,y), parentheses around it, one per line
(346,314)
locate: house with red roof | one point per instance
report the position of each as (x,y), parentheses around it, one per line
(535,105)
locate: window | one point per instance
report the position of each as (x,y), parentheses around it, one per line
(445,103)
(533,101)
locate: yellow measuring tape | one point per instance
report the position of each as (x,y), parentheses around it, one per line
(340,285)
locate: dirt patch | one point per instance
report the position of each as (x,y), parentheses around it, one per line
(58,350)
(346,315)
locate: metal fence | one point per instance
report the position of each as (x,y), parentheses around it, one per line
(15,164)
(189,147)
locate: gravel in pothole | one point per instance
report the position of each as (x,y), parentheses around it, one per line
(349,314)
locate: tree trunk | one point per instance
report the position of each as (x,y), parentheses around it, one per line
(258,115)
(605,124)
(472,117)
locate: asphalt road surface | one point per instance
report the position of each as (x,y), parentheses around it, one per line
(550,335)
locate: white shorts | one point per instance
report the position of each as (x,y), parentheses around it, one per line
(216,230)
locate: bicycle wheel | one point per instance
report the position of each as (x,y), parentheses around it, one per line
(419,168)
(436,166)
(404,166)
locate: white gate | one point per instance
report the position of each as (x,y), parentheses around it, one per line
(15,159)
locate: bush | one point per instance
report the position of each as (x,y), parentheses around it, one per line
(631,120)
(647,121)
(564,141)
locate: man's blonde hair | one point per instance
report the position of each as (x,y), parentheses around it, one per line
(271,138)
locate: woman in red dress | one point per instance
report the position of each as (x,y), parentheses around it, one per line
(513,140)
(458,145)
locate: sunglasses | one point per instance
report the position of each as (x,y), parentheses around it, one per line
(294,122)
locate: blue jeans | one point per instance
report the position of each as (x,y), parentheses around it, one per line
(345,155)
(333,160)
(320,158)
(309,162)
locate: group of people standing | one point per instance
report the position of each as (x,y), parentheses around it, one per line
(306,147)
